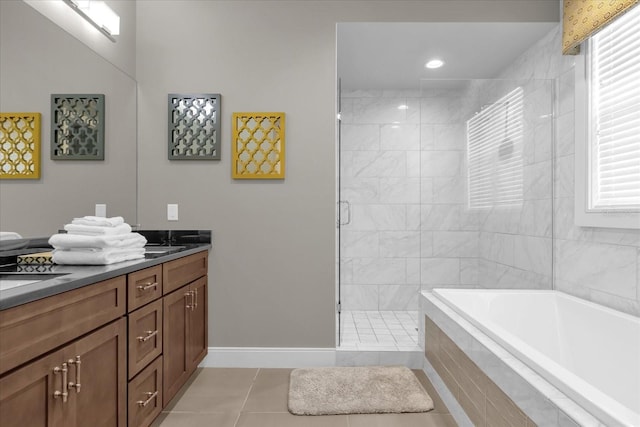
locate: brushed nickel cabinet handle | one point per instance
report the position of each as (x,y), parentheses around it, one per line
(195,304)
(151,396)
(190,302)
(64,393)
(150,334)
(146,286)
(77,384)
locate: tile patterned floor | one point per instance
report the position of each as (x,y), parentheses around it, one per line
(379,330)
(247,397)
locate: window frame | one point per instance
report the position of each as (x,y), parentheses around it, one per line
(585,215)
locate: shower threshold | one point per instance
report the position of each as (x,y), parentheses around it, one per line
(379,331)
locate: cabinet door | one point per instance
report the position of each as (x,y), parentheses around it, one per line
(101,401)
(197,325)
(27,395)
(175,309)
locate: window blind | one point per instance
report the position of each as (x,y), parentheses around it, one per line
(615,115)
(494,153)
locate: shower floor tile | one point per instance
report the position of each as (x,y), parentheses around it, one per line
(379,330)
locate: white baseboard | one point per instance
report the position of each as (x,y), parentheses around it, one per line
(266,357)
(262,357)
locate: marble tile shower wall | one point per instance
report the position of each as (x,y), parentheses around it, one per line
(598,264)
(410,226)
(380,179)
(450,231)
(402,172)
(515,244)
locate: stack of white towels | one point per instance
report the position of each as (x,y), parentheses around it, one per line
(93,240)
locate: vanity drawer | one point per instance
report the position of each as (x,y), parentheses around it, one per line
(144,286)
(30,330)
(145,336)
(145,395)
(179,272)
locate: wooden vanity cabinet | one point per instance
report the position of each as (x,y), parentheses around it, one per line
(131,342)
(36,395)
(185,321)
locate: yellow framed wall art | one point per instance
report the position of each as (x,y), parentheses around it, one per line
(258,146)
(19,145)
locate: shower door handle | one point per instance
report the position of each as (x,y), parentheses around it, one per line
(348,212)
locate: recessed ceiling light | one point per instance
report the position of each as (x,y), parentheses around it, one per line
(403,107)
(434,63)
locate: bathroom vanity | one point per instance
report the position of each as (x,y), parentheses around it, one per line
(103,345)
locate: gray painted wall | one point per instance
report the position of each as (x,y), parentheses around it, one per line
(272,269)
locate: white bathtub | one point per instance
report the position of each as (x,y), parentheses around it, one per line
(589,352)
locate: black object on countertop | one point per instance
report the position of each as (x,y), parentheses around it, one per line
(175,237)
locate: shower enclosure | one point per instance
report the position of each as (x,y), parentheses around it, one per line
(447,185)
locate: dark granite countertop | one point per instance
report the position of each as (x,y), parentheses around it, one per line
(76,276)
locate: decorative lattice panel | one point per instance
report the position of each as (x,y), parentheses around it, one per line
(77,127)
(19,145)
(258,146)
(194,126)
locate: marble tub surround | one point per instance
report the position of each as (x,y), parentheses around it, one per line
(482,400)
(597,369)
(543,403)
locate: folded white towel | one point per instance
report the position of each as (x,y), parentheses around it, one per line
(95,230)
(99,221)
(96,256)
(70,241)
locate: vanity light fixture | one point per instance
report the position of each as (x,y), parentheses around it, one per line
(403,107)
(99,15)
(434,63)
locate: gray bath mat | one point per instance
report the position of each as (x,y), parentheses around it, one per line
(356,390)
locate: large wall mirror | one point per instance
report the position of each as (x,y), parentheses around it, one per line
(38,59)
